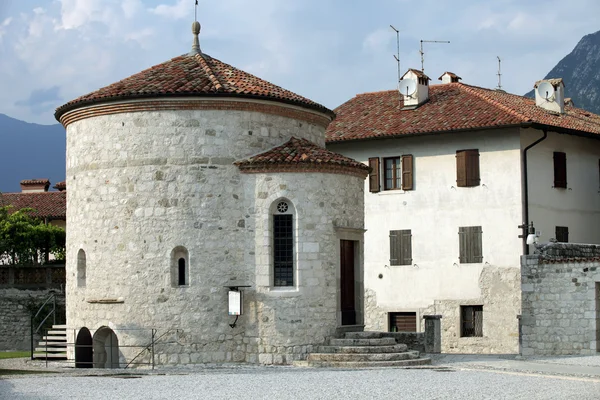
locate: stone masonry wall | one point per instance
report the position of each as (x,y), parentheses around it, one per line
(561,300)
(15,322)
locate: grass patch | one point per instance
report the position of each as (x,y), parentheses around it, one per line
(14,354)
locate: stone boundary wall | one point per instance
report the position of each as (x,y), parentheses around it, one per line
(561,300)
(15,320)
(30,277)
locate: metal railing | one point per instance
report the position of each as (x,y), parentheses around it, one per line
(51,300)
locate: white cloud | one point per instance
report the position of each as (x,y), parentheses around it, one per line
(181,9)
(131,8)
(379,40)
(3,26)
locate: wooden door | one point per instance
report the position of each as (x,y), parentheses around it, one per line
(347,282)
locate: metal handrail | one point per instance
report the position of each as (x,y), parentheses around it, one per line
(151,346)
(52,313)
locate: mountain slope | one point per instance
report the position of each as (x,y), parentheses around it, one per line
(30,151)
(580,71)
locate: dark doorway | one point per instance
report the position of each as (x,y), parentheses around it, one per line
(347,282)
(84,356)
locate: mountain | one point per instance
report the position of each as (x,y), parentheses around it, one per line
(30,151)
(580,71)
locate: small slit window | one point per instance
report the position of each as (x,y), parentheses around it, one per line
(180,275)
(81,268)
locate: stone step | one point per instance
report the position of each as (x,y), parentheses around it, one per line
(363,335)
(362,342)
(51,350)
(59,327)
(55,338)
(369,364)
(397,348)
(51,344)
(57,333)
(371,357)
(53,356)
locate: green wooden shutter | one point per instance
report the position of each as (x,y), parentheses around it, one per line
(406,247)
(407,172)
(395,237)
(374,175)
(560,170)
(470,244)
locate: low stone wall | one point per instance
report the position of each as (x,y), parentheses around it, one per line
(414,340)
(23,289)
(561,300)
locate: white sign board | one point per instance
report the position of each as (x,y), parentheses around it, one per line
(235,302)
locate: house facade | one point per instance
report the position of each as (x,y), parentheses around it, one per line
(455,170)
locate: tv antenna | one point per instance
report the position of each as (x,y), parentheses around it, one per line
(397,55)
(499,73)
(423,53)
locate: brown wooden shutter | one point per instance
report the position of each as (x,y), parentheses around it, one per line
(401,247)
(461,169)
(403,322)
(472,166)
(407,172)
(374,175)
(395,248)
(470,246)
(560,170)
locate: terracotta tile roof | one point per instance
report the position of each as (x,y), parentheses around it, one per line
(301,153)
(451,107)
(60,186)
(196,75)
(554,82)
(45,204)
(35,182)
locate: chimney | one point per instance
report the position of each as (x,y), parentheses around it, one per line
(449,77)
(35,185)
(550,95)
(60,186)
(414,86)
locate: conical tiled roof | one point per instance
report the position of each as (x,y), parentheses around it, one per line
(302,155)
(192,75)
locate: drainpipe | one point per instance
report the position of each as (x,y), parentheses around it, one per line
(526,191)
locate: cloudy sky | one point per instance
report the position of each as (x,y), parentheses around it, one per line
(52,51)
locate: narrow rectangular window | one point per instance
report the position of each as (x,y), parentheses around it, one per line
(181,272)
(471,321)
(560,170)
(467,168)
(374,175)
(283,250)
(392,173)
(403,321)
(470,244)
(407,172)
(401,247)
(562,234)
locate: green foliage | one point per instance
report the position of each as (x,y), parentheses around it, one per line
(25,240)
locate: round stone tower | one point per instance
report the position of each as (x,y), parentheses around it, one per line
(196,191)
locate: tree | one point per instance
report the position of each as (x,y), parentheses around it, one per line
(25,240)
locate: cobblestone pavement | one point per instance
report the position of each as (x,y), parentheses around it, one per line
(451,377)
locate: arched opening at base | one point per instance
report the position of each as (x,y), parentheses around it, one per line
(106,349)
(83,349)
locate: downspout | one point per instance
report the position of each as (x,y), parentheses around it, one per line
(526,191)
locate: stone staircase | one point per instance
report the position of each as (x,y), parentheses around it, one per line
(365,350)
(53,346)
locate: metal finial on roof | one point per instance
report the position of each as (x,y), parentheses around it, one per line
(196,31)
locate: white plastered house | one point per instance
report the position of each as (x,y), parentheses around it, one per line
(458,174)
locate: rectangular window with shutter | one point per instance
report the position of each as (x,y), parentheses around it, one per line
(398,173)
(471,321)
(403,321)
(562,234)
(560,170)
(467,168)
(401,247)
(470,248)
(374,175)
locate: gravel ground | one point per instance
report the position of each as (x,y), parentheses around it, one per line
(282,383)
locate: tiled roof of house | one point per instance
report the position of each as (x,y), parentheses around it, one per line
(35,182)
(451,107)
(45,204)
(195,75)
(301,153)
(60,186)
